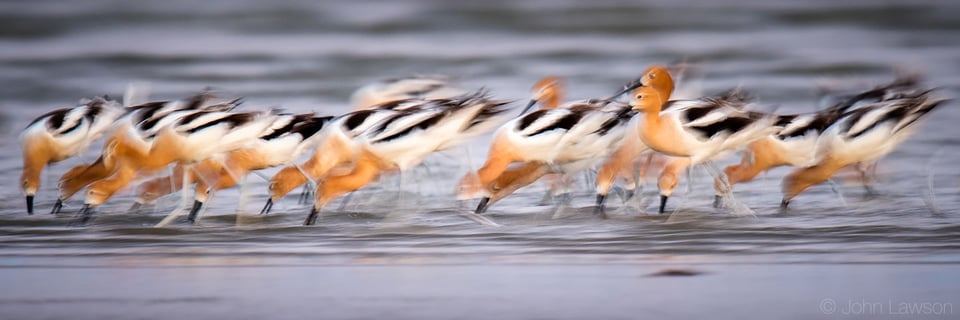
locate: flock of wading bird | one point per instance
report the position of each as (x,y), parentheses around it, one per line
(398,122)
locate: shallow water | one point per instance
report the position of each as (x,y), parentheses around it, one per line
(304,56)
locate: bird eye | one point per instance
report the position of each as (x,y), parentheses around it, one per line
(639,96)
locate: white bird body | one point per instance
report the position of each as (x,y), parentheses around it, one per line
(871,132)
(405,138)
(71,131)
(203,134)
(862,135)
(702,129)
(61,134)
(413,87)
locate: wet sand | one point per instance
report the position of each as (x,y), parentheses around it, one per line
(101,289)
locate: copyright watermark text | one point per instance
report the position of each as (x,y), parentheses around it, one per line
(888,307)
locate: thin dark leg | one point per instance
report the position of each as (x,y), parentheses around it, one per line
(267,207)
(57,207)
(303,195)
(312,218)
(85,215)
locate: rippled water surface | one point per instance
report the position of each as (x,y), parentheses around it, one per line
(403,245)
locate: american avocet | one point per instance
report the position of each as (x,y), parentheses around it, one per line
(694,131)
(336,147)
(796,144)
(194,137)
(61,134)
(548,92)
(511,180)
(624,161)
(530,138)
(861,135)
(510,138)
(151,190)
(628,163)
(396,89)
(401,141)
(139,125)
(566,140)
(283,143)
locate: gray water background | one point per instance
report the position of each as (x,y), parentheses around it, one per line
(386,246)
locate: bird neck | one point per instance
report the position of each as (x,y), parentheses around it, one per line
(336,151)
(163,151)
(285,181)
(500,157)
(652,124)
(81,176)
(30,179)
(103,189)
(517,175)
(801,179)
(366,168)
(670,175)
(516,179)
(35,156)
